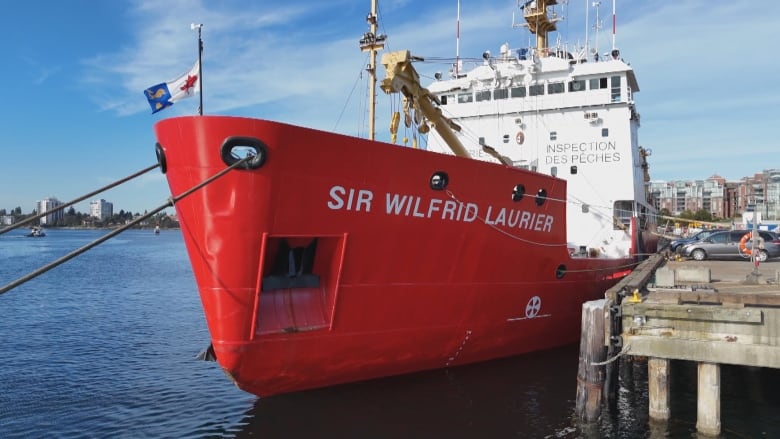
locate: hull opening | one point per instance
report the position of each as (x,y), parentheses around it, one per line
(299,284)
(292,267)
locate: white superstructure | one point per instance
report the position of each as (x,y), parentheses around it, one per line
(558,113)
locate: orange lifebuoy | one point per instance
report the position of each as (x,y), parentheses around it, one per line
(742,244)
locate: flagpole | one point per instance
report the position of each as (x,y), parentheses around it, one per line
(200,64)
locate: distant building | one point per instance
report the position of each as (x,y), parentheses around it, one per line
(6,220)
(762,192)
(46,205)
(721,198)
(101,209)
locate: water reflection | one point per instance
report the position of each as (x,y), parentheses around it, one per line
(530,397)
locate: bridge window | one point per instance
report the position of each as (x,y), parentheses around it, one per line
(483,95)
(605,132)
(615,88)
(464,98)
(518,92)
(598,83)
(555,88)
(444,98)
(578,85)
(500,93)
(536,90)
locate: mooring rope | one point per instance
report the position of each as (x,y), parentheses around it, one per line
(82,198)
(622,352)
(171,201)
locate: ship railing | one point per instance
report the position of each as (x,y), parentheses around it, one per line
(572,53)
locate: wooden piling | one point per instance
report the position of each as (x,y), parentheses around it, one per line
(590,376)
(708,406)
(658,388)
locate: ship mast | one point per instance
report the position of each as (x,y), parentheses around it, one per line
(371,42)
(539,23)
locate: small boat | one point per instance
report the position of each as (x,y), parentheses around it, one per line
(36,232)
(324,258)
(157,230)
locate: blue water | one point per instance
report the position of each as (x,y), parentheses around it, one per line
(104,345)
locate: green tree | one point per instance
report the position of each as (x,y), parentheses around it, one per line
(71,218)
(686,214)
(702,215)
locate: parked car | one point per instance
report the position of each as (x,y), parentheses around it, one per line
(678,243)
(726,244)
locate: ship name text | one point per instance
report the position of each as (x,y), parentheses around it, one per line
(360,200)
(582,153)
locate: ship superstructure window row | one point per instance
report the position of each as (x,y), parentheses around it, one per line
(612,83)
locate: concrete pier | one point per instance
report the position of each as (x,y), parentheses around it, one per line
(709,312)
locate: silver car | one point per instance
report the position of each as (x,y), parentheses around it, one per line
(726,244)
(678,243)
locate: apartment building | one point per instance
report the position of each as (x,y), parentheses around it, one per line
(723,199)
(101,209)
(46,205)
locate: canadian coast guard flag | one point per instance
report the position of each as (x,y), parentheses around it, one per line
(163,95)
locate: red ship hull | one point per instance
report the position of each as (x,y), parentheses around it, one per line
(336,261)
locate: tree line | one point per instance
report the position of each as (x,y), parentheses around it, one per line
(699,215)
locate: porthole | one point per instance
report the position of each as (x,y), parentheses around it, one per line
(560,271)
(541,197)
(518,192)
(439,181)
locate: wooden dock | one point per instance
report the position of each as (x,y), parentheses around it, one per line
(710,312)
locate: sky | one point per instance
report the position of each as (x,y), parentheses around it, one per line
(74,117)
